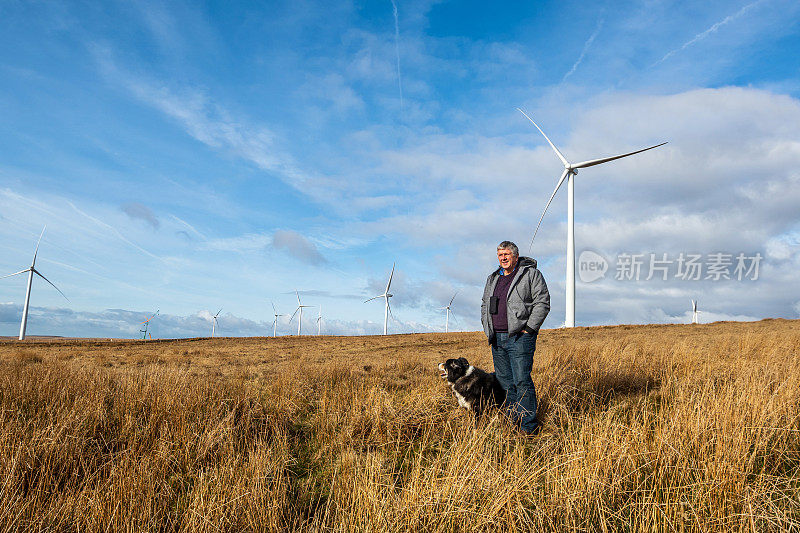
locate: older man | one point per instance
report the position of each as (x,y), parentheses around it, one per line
(515,303)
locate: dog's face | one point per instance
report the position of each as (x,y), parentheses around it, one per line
(452,369)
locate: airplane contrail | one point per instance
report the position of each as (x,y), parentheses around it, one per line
(714,27)
(586,46)
(397,54)
(115,231)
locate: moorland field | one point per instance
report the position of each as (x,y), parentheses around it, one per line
(657,428)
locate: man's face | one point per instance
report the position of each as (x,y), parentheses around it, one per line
(507,259)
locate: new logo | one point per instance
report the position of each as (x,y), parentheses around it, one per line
(591,266)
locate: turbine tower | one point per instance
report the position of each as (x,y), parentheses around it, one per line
(694,312)
(275,322)
(570,171)
(300,307)
(387,310)
(319,321)
(146,324)
(31,270)
(214,322)
(447,313)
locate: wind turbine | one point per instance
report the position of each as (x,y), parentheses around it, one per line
(447,314)
(275,322)
(214,322)
(300,307)
(388,310)
(570,171)
(319,321)
(694,312)
(31,270)
(146,324)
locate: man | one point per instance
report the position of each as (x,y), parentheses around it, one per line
(515,303)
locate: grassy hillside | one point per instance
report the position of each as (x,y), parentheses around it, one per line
(645,428)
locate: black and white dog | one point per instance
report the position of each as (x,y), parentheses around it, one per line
(475,389)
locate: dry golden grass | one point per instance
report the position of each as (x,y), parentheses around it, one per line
(658,428)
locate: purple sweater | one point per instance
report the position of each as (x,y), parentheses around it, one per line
(500,320)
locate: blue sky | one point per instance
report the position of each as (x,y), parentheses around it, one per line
(188,156)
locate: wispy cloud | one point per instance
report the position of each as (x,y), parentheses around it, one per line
(114,230)
(207,121)
(189,226)
(586,47)
(713,28)
(397,55)
(243,243)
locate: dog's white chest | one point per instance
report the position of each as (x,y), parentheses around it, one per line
(461,400)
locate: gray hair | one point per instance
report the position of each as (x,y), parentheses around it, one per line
(510,246)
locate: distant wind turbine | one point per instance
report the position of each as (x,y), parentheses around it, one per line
(214,322)
(275,322)
(570,171)
(447,313)
(319,321)
(694,312)
(146,323)
(388,310)
(300,307)
(31,270)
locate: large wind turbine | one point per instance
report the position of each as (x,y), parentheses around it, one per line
(275,322)
(300,307)
(570,170)
(387,311)
(694,312)
(447,314)
(31,270)
(214,322)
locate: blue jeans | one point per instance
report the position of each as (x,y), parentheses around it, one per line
(513,361)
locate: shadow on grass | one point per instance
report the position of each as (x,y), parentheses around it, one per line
(582,390)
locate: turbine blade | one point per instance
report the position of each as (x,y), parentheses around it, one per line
(390,278)
(50,282)
(37,246)
(15,273)
(273,308)
(218,312)
(594,162)
(389,306)
(553,146)
(453,298)
(560,181)
(295,312)
(374,298)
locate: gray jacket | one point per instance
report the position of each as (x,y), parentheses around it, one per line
(528,299)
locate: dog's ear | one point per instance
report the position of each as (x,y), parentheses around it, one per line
(463,361)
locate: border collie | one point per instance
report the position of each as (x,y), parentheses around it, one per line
(475,389)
